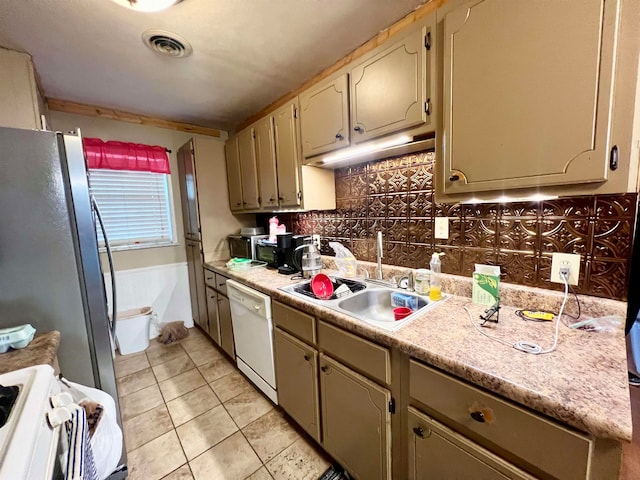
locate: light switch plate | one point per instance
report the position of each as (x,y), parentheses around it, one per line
(573,261)
(315,238)
(441,228)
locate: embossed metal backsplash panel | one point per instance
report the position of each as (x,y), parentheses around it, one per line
(396,196)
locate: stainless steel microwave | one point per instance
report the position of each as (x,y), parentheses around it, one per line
(241,246)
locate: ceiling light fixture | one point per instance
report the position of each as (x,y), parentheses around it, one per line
(146,5)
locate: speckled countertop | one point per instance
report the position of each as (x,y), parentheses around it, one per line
(583,383)
(42,350)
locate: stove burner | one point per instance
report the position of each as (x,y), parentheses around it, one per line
(8,396)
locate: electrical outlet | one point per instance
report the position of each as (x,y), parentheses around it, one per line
(441,228)
(564,260)
(315,238)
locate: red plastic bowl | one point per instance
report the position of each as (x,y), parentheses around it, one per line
(322,286)
(401,312)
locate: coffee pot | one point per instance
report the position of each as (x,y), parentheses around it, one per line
(307,259)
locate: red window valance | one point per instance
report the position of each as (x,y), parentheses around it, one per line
(114,155)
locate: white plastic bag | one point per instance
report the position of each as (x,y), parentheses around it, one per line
(345,261)
(106,441)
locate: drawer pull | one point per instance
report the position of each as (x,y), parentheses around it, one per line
(478,416)
(419,431)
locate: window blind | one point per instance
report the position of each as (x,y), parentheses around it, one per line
(135,207)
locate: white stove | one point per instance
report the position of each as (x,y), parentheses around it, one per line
(28,445)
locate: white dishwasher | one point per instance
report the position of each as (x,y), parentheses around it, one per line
(253,336)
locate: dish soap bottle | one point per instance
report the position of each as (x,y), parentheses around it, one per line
(435,285)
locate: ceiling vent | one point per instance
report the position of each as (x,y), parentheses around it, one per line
(167,43)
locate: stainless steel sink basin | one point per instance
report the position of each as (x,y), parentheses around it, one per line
(371,304)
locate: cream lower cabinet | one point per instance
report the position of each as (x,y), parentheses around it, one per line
(297,380)
(226,327)
(528,94)
(213,327)
(356,422)
(436,451)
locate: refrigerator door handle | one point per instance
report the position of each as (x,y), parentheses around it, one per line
(94,204)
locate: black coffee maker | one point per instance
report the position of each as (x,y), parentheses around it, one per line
(286,244)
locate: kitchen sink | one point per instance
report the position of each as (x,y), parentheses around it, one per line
(370,304)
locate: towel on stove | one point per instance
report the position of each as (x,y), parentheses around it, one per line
(80,463)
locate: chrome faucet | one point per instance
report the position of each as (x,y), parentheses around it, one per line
(380,255)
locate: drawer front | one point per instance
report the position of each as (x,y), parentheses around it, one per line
(295,322)
(220,283)
(550,447)
(209,278)
(360,354)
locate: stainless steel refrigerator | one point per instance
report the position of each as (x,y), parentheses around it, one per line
(50,272)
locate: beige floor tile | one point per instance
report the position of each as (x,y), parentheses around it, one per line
(156,459)
(247,407)
(261,474)
(216,369)
(145,427)
(181,384)
(128,364)
(300,461)
(231,386)
(202,354)
(183,473)
(165,353)
(192,404)
(140,402)
(232,459)
(172,368)
(205,431)
(135,381)
(123,358)
(270,434)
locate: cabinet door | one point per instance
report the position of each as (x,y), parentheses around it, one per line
(297,381)
(233,174)
(528,91)
(388,90)
(248,170)
(200,286)
(356,423)
(192,220)
(193,290)
(438,452)
(266,160)
(212,310)
(182,181)
(19,106)
(226,328)
(288,155)
(324,117)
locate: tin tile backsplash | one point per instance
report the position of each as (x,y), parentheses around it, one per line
(396,196)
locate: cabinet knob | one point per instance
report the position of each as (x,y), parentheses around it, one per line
(454,178)
(358,128)
(281,198)
(419,431)
(339,136)
(271,199)
(307,357)
(478,416)
(238,204)
(324,368)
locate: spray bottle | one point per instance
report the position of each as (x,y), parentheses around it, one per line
(435,280)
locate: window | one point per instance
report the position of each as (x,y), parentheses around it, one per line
(135,207)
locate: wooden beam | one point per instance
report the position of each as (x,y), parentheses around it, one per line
(408,20)
(114,114)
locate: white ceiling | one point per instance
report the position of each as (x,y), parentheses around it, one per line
(246,53)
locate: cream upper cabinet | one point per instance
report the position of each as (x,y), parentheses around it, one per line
(528,94)
(266,160)
(324,117)
(233,174)
(248,170)
(20,102)
(288,154)
(388,90)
